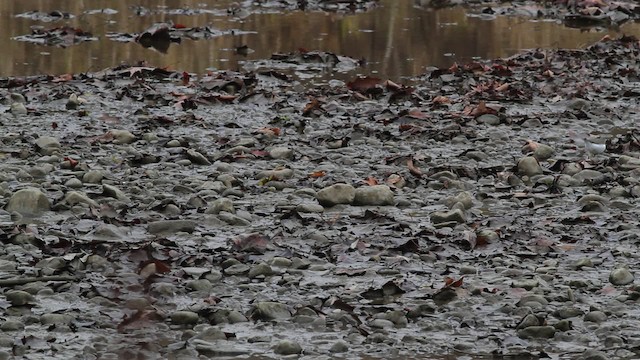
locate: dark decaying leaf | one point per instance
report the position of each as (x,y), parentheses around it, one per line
(254,242)
(389,288)
(140,319)
(364,84)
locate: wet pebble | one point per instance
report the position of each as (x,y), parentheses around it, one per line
(261,269)
(568,312)
(593,355)
(587,174)
(527,284)
(595,316)
(210,333)
(339,347)
(543,152)
(287,347)
(537,332)
(529,166)
(336,194)
(489,119)
(463,198)
(113,192)
(30,201)
(377,195)
(276,174)
(281,152)
(527,300)
(232,219)
(381,324)
(309,208)
(197,158)
(221,204)
(47,145)
(447,217)
(200,285)
(12,325)
(268,310)
(122,136)
(73,183)
(621,276)
(184,318)
(77,197)
(528,321)
(93,177)
(19,297)
(18,108)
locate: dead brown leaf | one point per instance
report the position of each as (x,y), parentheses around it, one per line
(371,181)
(413,169)
(364,84)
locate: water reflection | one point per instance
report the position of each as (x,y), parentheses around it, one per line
(397,39)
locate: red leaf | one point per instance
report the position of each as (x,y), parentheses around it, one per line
(185,77)
(317,174)
(72,163)
(450,282)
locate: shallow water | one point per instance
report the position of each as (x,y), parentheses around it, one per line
(397,38)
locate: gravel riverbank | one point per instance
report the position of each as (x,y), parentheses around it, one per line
(148,215)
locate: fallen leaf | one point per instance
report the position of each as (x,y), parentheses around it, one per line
(440,100)
(317,174)
(185,78)
(253,242)
(139,320)
(153,267)
(364,84)
(314,104)
(371,181)
(72,163)
(413,169)
(451,282)
(270,131)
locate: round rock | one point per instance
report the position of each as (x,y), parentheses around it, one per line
(268,310)
(621,276)
(28,201)
(377,195)
(47,145)
(184,318)
(336,194)
(529,166)
(537,332)
(19,297)
(287,347)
